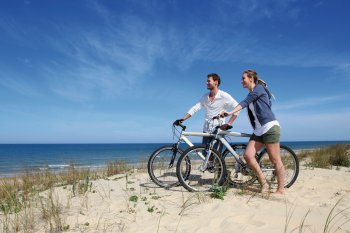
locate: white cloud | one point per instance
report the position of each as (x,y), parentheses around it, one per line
(103,63)
(110,59)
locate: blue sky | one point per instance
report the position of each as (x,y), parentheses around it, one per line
(123,71)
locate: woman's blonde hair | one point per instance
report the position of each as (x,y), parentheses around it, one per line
(253,74)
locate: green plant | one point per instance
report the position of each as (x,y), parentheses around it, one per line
(150,209)
(337,155)
(218,192)
(52,213)
(12,203)
(117,167)
(133,198)
(155,197)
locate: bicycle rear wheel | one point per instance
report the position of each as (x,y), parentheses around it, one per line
(160,169)
(198,180)
(290,162)
(237,175)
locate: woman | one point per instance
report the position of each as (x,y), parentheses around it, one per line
(266,128)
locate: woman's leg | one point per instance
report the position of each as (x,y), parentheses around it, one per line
(274,154)
(249,156)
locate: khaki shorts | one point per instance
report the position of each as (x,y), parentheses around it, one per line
(270,137)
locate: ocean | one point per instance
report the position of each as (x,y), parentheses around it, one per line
(15,158)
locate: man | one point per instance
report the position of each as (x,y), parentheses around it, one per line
(214,102)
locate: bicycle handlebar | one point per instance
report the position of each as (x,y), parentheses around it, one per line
(217,117)
(180,125)
(228,127)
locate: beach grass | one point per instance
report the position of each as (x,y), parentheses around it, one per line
(328,157)
(21,192)
(32,193)
(336,219)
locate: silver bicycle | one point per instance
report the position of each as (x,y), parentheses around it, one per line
(163,161)
(201,167)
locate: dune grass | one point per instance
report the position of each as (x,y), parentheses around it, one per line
(19,194)
(337,155)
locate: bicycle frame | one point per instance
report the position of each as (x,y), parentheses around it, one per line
(218,136)
(202,155)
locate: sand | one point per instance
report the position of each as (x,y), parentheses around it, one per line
(106,206)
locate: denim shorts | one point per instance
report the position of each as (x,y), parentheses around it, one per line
(270,137)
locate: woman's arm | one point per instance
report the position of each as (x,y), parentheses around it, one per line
(236,109)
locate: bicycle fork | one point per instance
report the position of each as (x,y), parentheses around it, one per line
(204,166)
(208,151)
(174,150)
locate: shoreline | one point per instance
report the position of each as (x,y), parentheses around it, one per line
(133,161)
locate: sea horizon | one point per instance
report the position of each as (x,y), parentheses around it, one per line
(58,143)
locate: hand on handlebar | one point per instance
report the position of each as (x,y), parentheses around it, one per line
(220,115)
(226,127)
(178,122)
(224,114)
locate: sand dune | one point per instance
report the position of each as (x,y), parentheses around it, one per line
(106,207)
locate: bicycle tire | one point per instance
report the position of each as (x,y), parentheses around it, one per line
(290,162)
(158,166)
(235,174)
(197,180)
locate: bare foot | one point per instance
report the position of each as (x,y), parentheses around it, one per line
(280,192)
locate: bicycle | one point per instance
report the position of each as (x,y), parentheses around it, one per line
(214,168)
(162,162)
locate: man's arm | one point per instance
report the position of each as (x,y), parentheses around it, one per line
(195,108)
(191,112)
(186,117)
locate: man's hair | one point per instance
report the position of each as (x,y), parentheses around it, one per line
(215,77)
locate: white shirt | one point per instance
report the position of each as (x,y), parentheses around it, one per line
(222,101)
(261,129)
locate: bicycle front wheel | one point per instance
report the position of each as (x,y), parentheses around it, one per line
(290,162)
(161,168)
(199,179)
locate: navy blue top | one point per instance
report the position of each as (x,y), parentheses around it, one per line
(260,97)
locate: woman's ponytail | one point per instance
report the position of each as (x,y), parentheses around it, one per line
(262,82)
